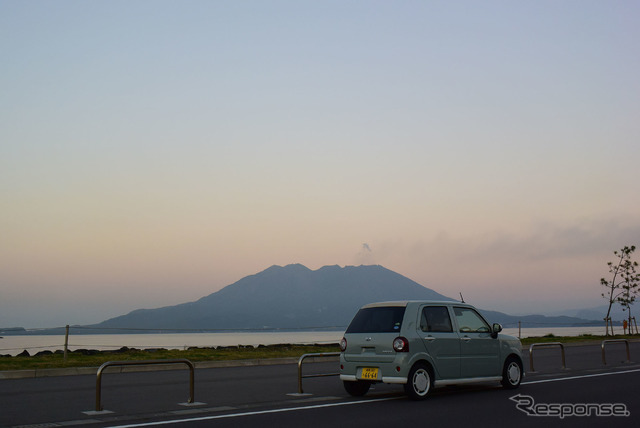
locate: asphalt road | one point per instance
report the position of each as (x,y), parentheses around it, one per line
(265,396)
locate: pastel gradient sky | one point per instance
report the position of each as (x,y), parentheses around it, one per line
(153,152)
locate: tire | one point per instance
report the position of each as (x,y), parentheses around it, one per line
(419,382)
(357,388)
(512,373)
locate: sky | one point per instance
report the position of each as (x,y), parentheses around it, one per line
(154,152)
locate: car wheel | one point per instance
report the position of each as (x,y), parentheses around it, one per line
(357,388)
(419,382)
(512,373)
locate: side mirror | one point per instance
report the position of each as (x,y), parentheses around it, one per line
(497,328)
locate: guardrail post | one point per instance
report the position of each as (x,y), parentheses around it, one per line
(604,342)
(99,407)
(542,345)
(302,358)
(66,342)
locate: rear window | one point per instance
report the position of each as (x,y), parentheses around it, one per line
(384,319)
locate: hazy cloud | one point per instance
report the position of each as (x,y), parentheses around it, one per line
(516,268)
(365,256)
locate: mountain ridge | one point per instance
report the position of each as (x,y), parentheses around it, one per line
(294,297)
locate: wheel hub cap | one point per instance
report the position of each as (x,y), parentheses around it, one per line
(421,382)
(514,373)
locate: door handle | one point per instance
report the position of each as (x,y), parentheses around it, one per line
(429,338)
(466,338)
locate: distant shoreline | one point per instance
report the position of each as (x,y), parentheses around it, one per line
(16,344)
(81,330)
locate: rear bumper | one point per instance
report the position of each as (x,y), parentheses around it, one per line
(385,379)
(395,371)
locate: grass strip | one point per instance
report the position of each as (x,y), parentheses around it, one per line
(574,339)
(93,358)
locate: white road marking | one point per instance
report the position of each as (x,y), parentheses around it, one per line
(579,377)
(347,403)
(261,412)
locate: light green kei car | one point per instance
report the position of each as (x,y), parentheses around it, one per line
(426,344)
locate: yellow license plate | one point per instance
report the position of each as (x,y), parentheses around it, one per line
(369,373)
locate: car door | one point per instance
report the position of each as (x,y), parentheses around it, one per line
(479,352)
(440,340)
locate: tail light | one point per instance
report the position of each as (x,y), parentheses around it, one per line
(400,344)
(343,344)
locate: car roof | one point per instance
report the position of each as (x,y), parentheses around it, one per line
(406,302)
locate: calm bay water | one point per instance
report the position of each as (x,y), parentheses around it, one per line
(14,345)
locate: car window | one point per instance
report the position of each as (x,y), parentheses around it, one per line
(470,321)
(436,319)
(384,319)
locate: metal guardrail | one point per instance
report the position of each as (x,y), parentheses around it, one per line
(604,342)
(542,345)
(302,358)
(140,363)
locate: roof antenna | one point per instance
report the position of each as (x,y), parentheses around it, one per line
(461,298)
